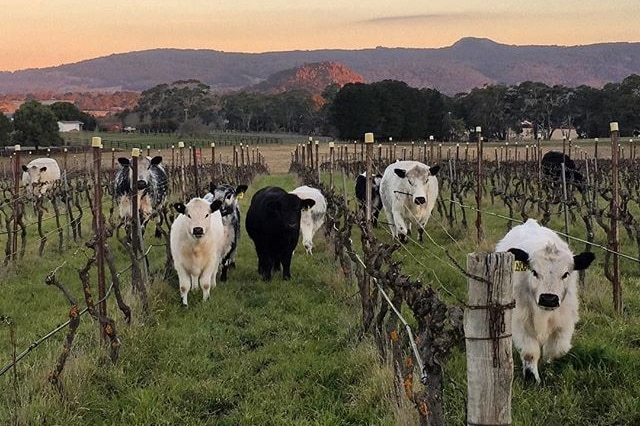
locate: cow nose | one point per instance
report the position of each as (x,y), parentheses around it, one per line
(419,200)
(548,300)
(141,184)
(198,231)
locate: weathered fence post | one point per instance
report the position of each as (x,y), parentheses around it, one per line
(213,161)
(318,159)
(196,178)
(17,177)
(98,228)
(331,148)
(613,238)
(487,329)
(479,187)
(431,157)
(183,188)
(368,141)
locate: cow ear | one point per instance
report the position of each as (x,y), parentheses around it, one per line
(400,172)
(24,168)
(180,207)
(583,260)
(434,170)
(43,169)
(307,203)
(124,161)
(215,205)
(241,189)
(156,160)
(521,255)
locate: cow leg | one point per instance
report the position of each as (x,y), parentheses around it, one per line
(558,344)
(530,354)
(207,282)
(286,265)
(264,265)
(184,281)
(400,227)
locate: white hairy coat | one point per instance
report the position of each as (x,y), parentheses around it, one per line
(197,258)
(40,175)
(409,190)
(547,268)
(311,219)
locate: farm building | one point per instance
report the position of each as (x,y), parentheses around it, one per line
(70,126)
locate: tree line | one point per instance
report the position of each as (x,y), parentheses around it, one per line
(389,108)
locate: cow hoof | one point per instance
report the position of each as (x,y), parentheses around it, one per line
(158,234)
(530,377)
(402,238)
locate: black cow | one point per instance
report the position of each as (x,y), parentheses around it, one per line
(273,223)
(230,211)
(552,167)
(361,195)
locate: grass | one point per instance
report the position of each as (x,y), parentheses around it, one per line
(289,353)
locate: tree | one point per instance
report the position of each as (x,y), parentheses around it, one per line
(35,124)
(5,130)
(66,111)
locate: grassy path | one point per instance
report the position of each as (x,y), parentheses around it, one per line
(278,353)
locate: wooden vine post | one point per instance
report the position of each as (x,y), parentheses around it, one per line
(487,329)
(213,161)
(480,234)
(331,154)
(98,228)
(613,237)
(17,176)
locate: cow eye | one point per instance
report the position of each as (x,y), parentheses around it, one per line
(207,215)
(565,276)
(535,274)
(188,215)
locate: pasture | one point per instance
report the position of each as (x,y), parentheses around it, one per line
(292,352)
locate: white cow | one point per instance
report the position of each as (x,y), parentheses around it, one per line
(311,219)
(545,291)
(408,190)
(40,175)
(196,240)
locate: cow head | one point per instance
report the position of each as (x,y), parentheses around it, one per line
(552,272)
(197,213)
(35,179)
(228,195)
(287,209)
(418,179)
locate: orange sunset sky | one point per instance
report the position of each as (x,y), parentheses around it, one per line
(42,33)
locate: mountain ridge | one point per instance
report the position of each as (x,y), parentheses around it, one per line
(468,63)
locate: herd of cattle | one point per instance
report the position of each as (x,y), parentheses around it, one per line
(204,237)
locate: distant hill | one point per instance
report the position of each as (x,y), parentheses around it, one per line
(313,78)
(469,63)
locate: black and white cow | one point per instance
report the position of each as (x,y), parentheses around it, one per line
(152,183)
(230,211)
(361,195)
(273,223)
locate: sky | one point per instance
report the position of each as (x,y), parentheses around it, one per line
(43,33)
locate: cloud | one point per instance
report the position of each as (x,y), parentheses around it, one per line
(420,18)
